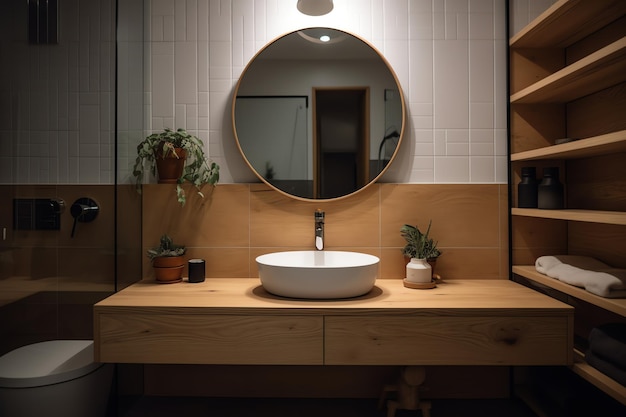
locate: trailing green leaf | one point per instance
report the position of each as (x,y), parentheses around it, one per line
(197,169)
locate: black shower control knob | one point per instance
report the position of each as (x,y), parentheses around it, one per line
(84,210)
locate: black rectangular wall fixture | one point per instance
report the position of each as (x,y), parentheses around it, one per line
(36,214)
(43,18)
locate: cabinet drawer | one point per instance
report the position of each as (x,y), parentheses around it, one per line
(215,339)
(448,340)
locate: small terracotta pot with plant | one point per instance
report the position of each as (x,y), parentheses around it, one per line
(167,261)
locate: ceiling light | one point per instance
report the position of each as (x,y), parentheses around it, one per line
(324,38)
(315,7)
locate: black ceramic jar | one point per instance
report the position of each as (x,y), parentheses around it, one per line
(527,189)
(550,190)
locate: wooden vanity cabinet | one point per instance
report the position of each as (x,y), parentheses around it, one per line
(568,80)
(233,321)
(468,339)
(187,337)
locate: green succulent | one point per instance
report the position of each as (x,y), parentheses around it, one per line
(197,171)
(166,248)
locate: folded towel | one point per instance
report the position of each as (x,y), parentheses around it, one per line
(544,263)
(611,284)
(609,342)
(606,367)
(602,280)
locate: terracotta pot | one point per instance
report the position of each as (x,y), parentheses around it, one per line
(168,261)
(168,269)
(169,275)
(170,168)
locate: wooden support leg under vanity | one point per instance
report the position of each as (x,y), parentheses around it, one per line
(407,391)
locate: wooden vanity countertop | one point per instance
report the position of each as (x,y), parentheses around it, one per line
(389,296)
(235,321)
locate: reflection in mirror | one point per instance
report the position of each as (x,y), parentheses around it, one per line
(315,119)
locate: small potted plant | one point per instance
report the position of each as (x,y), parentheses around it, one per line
(422,251)
(177,156)
(167,260)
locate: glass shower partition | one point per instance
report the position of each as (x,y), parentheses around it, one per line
(68,115)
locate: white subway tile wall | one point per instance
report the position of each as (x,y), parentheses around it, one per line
(445,54)
(58,101)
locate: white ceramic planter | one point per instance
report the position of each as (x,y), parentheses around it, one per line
(418,271)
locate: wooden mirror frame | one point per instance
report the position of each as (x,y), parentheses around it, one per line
(391,159)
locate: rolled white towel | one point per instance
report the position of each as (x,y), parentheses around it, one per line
(611,283)
(603,281)
(544,263)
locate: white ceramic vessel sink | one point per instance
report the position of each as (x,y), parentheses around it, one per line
(318,274)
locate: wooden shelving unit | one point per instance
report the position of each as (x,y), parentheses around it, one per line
(583,148)
(600,380)
(593,216)
(604,68)
(568,80)
(567,22)
(616,305)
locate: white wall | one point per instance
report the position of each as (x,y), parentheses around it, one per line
(448,54)
(57,101)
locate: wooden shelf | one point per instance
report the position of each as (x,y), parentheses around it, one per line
(615,305)
(602,69)
(584,99)
(568,21)
(597,378)
(594,146)
(590,216)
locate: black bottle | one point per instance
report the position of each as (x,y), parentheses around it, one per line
(550,195)
(527,189)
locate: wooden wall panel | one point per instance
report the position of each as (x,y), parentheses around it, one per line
(535,126)
(605,242)
(533,237)
(529,65)
(597,183)
(238,222)
(597,113)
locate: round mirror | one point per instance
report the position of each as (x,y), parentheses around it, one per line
(318,114)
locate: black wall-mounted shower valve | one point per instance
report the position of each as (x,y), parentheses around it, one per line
(84,210)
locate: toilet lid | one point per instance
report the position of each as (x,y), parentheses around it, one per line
(46,363)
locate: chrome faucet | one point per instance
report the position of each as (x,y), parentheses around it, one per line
(319,229)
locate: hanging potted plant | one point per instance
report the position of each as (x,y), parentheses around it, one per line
(176,156)
(167,261)
(422,251)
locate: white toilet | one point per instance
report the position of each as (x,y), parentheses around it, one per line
(57,378)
